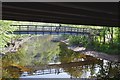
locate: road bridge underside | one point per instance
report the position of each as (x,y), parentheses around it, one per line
(78,13)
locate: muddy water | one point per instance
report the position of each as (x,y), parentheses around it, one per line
(54,60)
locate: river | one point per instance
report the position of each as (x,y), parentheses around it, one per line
(39,57)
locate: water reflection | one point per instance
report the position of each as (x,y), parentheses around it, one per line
(50,60)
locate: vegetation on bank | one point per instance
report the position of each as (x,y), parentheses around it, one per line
(108,41)
(4,36)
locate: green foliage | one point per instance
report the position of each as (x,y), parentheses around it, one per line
(65,36)
(39,50)
(108,41)
(75,40)
(66,55)
(4,29)
(78,40)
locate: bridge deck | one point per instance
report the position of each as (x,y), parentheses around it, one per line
(38,29)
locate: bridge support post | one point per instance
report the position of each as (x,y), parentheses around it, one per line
(43,30)
(19,29)
(71,31)
(77,31)
(27,29)
(36,30)
(51,30)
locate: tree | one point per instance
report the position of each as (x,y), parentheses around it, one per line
(5,28)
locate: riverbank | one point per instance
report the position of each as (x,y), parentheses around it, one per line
(83,50)
(17,44)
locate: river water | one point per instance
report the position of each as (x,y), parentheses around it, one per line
(41,58)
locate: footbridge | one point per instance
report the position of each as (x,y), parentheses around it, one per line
(38,29)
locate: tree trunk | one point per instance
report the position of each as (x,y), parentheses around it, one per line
(111,41)
(104,35)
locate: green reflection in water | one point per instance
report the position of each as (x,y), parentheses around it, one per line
(98,68)
(76,71)
(38,50)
